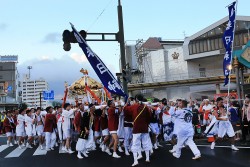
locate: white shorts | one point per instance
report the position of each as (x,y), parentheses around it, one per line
(20,133)
(9,134)
(67,133)
(39,130)
(97,133)
(225,127)
(141,140)
(81,144)
(155,128)
(113,132)
(127,136)
(105,132)
(29,131)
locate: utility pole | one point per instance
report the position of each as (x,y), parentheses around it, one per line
(122,44)
(40,99)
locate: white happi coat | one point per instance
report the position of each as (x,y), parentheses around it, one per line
(184,120)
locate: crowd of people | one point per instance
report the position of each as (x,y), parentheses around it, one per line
(134,127)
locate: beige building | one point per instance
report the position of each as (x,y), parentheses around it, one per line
(192,67)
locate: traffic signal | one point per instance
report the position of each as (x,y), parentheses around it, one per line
(66,36)
(126,74)
(69,37)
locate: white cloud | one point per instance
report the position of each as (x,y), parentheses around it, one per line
(52,38)
(78,58)
(58,70)
(55,71)
(45,58)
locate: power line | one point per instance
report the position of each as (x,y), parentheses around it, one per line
(99,15)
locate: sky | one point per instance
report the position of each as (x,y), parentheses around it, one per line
(33,29)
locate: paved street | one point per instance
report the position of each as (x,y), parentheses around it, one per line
(14,157)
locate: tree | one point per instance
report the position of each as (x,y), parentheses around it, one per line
(23,106)
(56,103)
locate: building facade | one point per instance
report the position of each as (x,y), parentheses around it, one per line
(32,93)
(8,82)
(191,68)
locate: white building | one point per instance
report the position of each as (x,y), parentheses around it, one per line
(32,92)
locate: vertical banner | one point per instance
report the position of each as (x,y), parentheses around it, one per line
(228,39)
(106,77)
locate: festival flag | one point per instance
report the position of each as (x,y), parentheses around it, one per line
(106,77)
(228,39)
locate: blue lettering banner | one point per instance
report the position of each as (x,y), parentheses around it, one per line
(228,39)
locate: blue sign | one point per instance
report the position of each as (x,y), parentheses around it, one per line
(9,88)
(108,80)
(48,95)
(8,58)
(228,39)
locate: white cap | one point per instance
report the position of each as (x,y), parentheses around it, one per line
(86,108)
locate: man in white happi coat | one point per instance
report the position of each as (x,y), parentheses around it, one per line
(225,126)
(185,131)
(39,121)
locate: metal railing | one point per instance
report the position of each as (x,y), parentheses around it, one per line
(183,76)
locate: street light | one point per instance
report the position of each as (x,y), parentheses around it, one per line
(29,68)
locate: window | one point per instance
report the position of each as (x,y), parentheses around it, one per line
(202,72)
(245,38)
(201,46)
(216,43)
(194,49)
(208,45)
(1,67)
(220,44)
(190,49)
(1,77)
(212,43)
(197,47)
(205,46)
(236,40)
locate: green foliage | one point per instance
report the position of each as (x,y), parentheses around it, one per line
(56,103)
(23,105)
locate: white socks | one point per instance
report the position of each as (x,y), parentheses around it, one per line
(147,155)
(135,158)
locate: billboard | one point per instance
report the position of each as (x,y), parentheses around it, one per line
(8,58)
